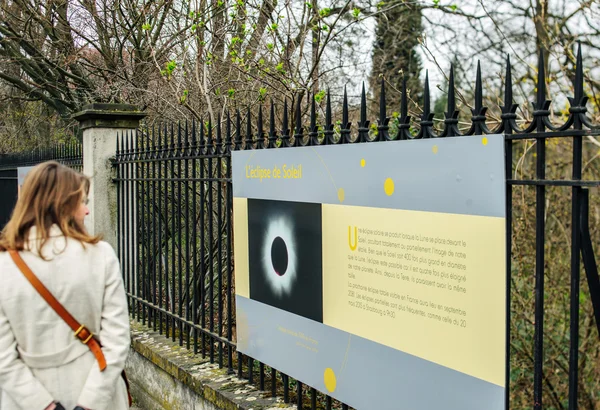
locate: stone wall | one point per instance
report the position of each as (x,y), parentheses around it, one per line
(165,376)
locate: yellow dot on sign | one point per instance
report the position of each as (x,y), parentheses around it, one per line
(330,380)
(341,194)
(434,149)
(484,141)
(388,186)
(363,162)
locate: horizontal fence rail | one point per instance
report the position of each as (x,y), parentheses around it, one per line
(176,246)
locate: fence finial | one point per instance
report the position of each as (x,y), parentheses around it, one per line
(541,82)
(451,94)
(228,138)
(579,101)
(382,129)
(509,109)
(508,93)
(478,91)
(382,104)
(363,125)
(210,146)
(314,130)
(179,138)
(219,140)
(427,116)
(272,131)
(404,121)
(328,123)
(238,130)
(541,111)
(203,145)
(580,97)
(478,126)
(249,137)
(260,134)
(194,138)
(285,129)
(345,132)
(451,120)
(298,134)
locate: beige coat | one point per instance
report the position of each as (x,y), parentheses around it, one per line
(40,360)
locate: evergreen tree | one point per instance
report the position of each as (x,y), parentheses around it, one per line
(394,53)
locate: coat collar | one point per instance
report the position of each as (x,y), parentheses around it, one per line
(54,232)
(57,242)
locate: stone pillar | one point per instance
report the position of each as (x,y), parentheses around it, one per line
(101,123)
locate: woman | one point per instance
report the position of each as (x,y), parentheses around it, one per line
(42,365)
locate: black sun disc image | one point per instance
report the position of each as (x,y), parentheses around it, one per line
(279,256)
(285,256)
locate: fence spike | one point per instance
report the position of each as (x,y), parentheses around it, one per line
(426,97)
(260,135)
(127,146)
(382,103)
(313,113)
(153,142)
(509,109)
(314,131)
(328,124)
(210,147)
(202,140)
(238,130)
(451,120)
(478,118)
(179,139)
(579,101)
(363,126)
(427,116)
(285,130)
(186,141)
(345,131)
(478,91)
(328,109)
(382,129)
(541,106)
(228,139)
(451,94)
(193,143)
(249,138)
(541,82)
(219,141)
(173,143)
(508,92)
(403,101)
(162,140)
(160,131)
(579,93)
(272,132)
(298,133)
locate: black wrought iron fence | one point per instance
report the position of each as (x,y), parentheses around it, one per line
(175,232)
(67,154)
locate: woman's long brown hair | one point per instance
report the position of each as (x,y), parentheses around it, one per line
(51,195)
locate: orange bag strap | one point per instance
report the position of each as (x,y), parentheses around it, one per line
(81,332)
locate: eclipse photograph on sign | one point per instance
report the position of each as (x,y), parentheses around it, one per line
(285,256)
